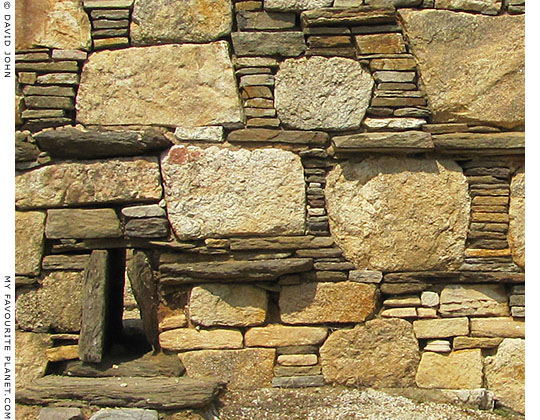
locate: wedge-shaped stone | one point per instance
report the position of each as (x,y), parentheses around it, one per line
(82,223)
(497,327)
(182,339)
(474,300)
(318,303)
(322,93)
(364,15)
(457,370)
(228,305)
(441,328)
(241,369)
(410,141)
(377,205)
(276,335)
(216,191)
(505,374)
(286,44)
(255,135)
(451,49)
(264,270)
(52,23)
(381,353)
(461,343)
(29,239)
(295,5)
(76,183)
(510,143)
(195,86)
(71,142)
(161,21)
(41,309)
(516,228)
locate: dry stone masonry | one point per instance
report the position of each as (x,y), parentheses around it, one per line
(223,195)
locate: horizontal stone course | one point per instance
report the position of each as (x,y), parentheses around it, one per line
(182,339)
(285,44)
(276,335)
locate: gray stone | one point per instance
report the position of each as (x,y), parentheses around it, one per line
(298,381)
(364,15)
(388,76)
(322,93)
(76,183)
(150,210)
(176,94)
(278,136)
(410,141)
(265,20)
(438,346)
(60,413)
(474,300)
(29,241)
(210,134)
(281,243)
(362,276)
(48,102)
(240,187)
(150,227)
(82,223)
(516,228)
(41,309)
(295,5)
(65,262)
(286,44)
(393,123)
(487,7)
(125,414)
(49,91)
(77,55)
(160,22)
(430,299)
(61,78)
(509,143)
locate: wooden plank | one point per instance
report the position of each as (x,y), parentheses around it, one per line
(156,393)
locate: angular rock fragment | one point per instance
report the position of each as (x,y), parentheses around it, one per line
(461,369)
(295,5)
(182,339)
(276,335)
(82,223)
(285,44)
(29,239)
(516,228)
(441,328)
(474,300)
(30,358)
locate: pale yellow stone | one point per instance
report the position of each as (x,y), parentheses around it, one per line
(58,354)
(426,313)
(505,374)
(441,328)
(461,343)
(171,322)
(29,239)
(297,359)
(474,300)
(182,339)
(516,229)
(241,369)
(399,214)
(497,327)
(190,85)
(317,303)
(457,370)
(30,357)
(399,313)
(228,305)
(276,335)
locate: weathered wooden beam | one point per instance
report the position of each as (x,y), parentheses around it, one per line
(156,393)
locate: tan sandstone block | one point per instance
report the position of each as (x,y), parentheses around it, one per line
(276,335)
(441,328)
(182,339)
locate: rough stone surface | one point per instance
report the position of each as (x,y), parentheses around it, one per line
(488,7)
(195,86)
(474,300)
(296,5)
(505,374)
(451,50)
(163,21)
(125,414)
(322,93)
(461,343)
(82,223)
(76,183)
(228,305)
(57,354)
(150,210)
(192,339)
(241,369)
(60,413)
(441,328)
(29,229)
(59,24)
(276,335)
(458,370)
(498,327)
(317,303)
(366,355)
(217,191)
(210,134)
(42,310)
(286,44)
(516,228)
(399,214)
(30,357)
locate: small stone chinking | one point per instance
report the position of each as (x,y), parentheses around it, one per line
(268,193)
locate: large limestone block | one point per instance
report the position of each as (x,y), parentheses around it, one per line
(474,300)
(296,5)
(181,339)
(399,214)
(29,229)
(30,357)
(241,369)
(472,66)
(505,374)
(276,335)
(165,21)
(457,370)
(221,192)
(174,85)
(228,305)
(318,303)
(322,93)
(381,353)
(56,305)
(91,182)
(61,24)
(516,229)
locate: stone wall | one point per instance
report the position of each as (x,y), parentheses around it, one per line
(277,193)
